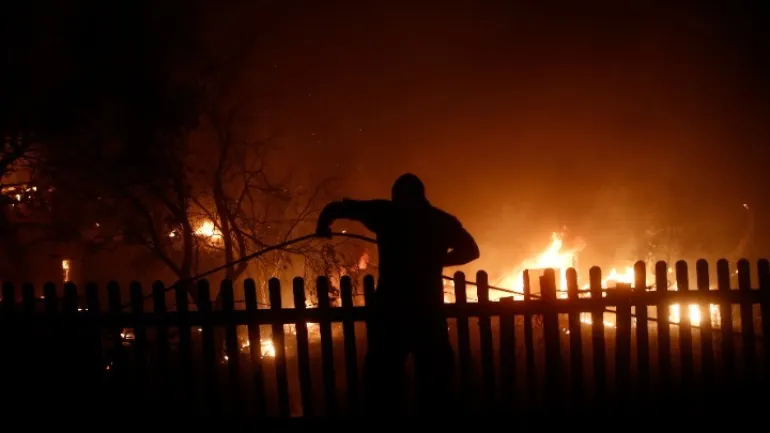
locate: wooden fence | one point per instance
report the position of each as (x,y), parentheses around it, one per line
(549,352)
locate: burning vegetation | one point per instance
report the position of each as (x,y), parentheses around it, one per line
(556,257)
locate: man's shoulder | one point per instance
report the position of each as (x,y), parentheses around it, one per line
(445,217)
(368,207)
(373,202)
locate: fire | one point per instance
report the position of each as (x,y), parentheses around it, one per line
(363,262)
(65,267)
(556,257)
(205,229)
(695,313)
(552,257)
(209,230)
(267,348)
(627,277)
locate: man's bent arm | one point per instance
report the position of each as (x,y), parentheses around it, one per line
(356,210)
(464,250)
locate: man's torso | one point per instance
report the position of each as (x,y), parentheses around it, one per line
(412,244)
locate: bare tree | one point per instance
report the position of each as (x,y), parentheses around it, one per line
(19,200)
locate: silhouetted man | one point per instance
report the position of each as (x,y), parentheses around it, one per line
(415,242)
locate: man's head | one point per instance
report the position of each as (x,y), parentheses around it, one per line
(409,189)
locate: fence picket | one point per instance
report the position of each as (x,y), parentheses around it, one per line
(351,353)
(485,328)
(553,369)
(507,356)
(685,332)
(279,344)
(747,321)
(463,338)
(726,324)
(642,330)
(706,335)
(255,347)
(622,295)
(529,341)
(664,339)
(575,342)
(597,335)
(303,354)
(327,351)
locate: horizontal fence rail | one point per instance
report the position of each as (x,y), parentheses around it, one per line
(571,350)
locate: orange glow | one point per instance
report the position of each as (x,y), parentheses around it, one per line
(65,267)
(559,259)
(207,229)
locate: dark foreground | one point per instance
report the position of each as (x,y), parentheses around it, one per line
(64,389)
(61,377)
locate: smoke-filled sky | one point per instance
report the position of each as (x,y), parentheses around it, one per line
(524,119)
(609,118)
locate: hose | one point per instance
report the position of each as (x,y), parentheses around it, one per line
(296,241)
(365,239)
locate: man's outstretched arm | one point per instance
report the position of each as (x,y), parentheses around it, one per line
(464,249)
(357,210)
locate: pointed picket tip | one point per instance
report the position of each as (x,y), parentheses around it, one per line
(482,278)
(702,274)
(595,276)
(274,292)
(640,276)
(723,263)
(682,276)
(744,274)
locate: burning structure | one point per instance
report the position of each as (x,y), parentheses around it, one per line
(558,258)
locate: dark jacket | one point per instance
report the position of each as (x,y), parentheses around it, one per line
(415,242)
